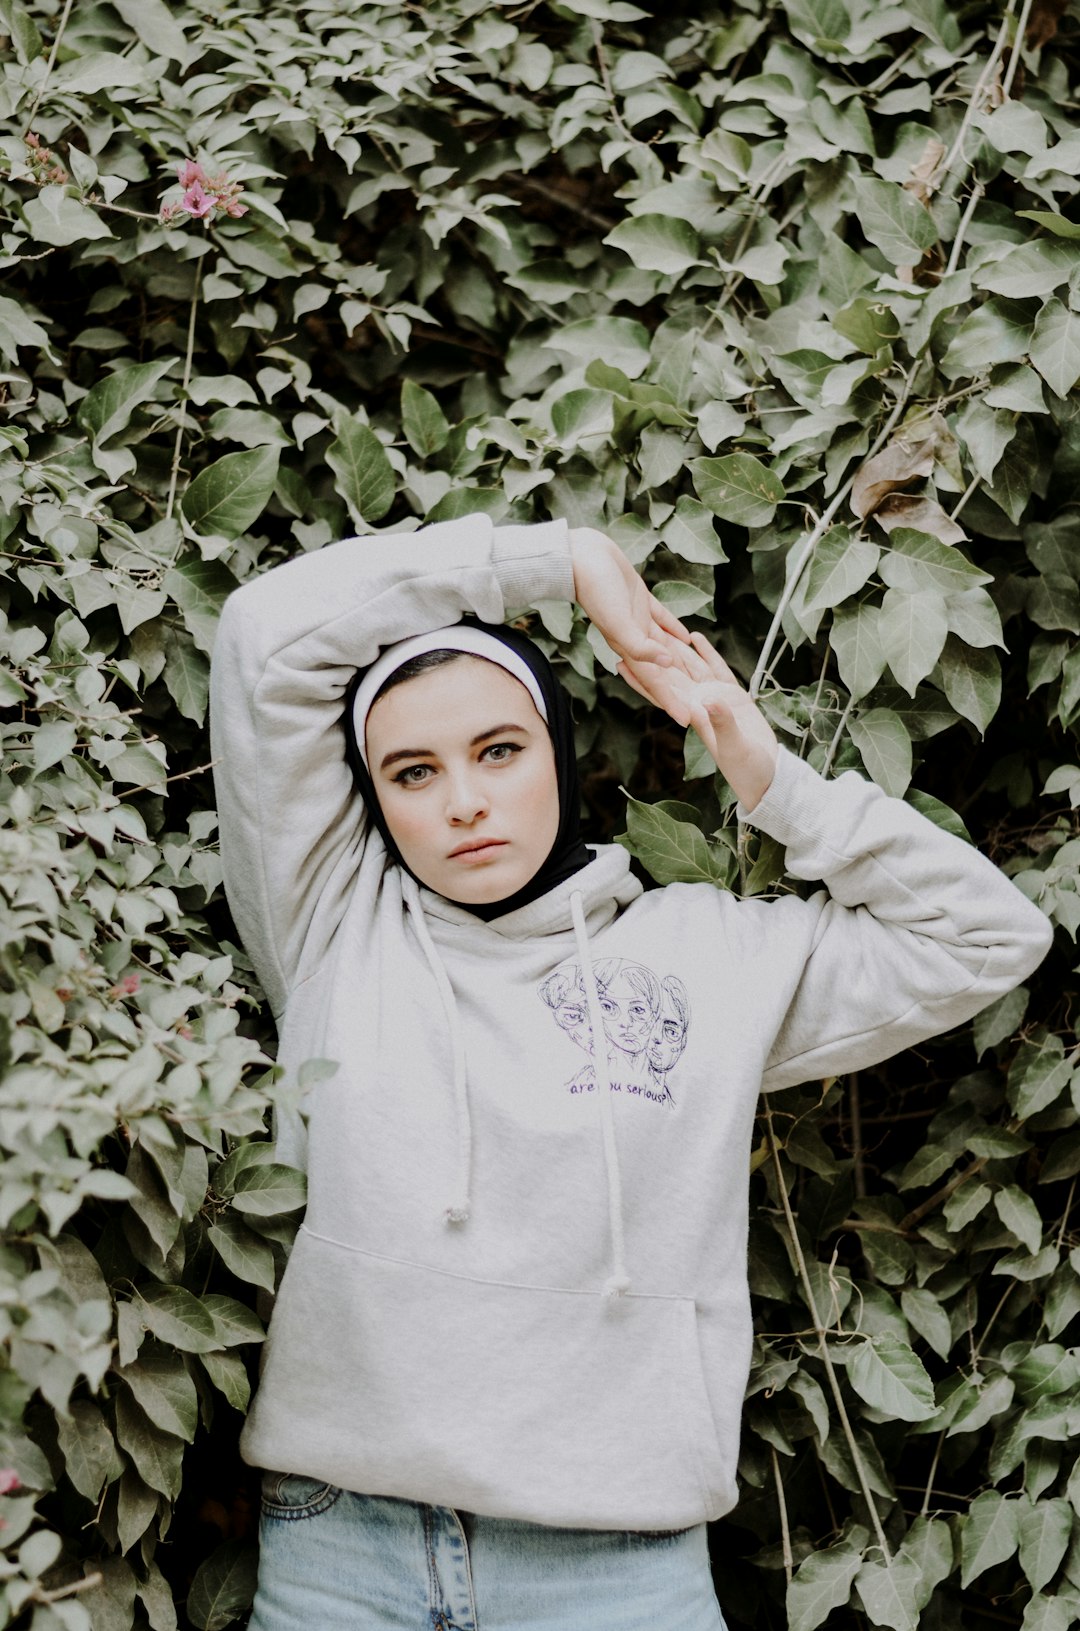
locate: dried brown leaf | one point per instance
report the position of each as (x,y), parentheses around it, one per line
(1043,22)
(897,465)
(923,181)
(924,514)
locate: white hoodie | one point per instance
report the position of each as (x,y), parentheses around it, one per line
(483,1363)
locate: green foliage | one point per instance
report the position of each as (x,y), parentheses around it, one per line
(784,295)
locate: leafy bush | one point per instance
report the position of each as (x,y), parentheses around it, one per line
(782,293)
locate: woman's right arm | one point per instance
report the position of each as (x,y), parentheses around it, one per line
(293,830)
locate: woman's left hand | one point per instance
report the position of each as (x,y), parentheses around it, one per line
(699,689)
(616,600)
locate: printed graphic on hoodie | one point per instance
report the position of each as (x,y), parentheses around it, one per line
(646,1020)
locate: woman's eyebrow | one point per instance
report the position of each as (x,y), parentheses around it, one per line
(429,753)
(497,730)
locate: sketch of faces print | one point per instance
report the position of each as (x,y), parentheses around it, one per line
(645,1021)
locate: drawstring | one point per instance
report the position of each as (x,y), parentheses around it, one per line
(619,1281)
(458,1210)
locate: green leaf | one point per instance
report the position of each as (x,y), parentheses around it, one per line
(247,1254)
(885,748)
(223,1587)
(423,421)
(1000,1020)
(974,618)
(888,1374)
(1055,346)
(582,414)
(929,1545)
(234,1323)
(971,679)
(200,588)
(108,406)
(1038,1075)
(989,1534)
(229,495)
(158,1456)
(894,221)
(1031,269)
(840,566)
(691,533)
(177,1317)
(365,476)
(821,1583)
(924,1314)
(856,640)
(620,342)
(187,674)
(738,488)
(913,630)
(264,1191)
(671,851)
(154,24)
(657,243)
(1045,1532)
(87,1447)
(1020,1216)
(1056,224)
(228,1373)
(995,332)
(917,561)
(889,1592)
(163,1388)
(56,219)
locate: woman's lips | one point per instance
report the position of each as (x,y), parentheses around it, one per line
(472,854)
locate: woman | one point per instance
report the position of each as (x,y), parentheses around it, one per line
(505,1371)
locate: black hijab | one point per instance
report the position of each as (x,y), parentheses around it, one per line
(568,854)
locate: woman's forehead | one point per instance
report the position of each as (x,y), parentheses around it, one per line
(451,703)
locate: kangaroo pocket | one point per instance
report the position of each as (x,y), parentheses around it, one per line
(548,1405)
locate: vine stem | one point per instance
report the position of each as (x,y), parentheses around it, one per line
(1018,45)
(185,382)
(965,221)
(939,1446)
(49,66)
(823,1346)
(957,148)
(824,522)
(785,1531)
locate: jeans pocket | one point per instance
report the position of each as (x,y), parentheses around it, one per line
(292,1495)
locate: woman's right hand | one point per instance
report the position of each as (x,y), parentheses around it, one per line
(614,598)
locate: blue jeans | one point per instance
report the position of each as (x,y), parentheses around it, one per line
(334,1561)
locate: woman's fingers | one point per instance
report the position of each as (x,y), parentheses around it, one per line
(709,655)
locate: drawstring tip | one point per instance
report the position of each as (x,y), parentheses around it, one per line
(617,1286)
(458,1214)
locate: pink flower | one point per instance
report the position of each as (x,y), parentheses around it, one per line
(9,1481)
(235,208)
(130,984)
(190,172)
(197,201)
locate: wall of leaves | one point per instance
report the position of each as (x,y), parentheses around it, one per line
(785,294)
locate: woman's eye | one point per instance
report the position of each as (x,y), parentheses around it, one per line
(412,775)
(500,752)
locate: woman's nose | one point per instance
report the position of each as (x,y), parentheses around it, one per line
(466,800)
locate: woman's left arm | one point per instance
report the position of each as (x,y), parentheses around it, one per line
(917,931)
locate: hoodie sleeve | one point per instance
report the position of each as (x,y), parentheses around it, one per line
(293,832)
(916,933)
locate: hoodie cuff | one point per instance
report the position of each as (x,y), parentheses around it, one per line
(533,563)
(796,804)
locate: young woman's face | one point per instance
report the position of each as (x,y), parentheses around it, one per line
(465,773)
(628,1016)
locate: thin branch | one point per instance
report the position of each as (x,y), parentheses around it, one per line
(965,495)
(49,66)
(965,221)
(1065,1215)
(823,1346)
(975,103)
(940,1196)
(184,383)
(938,1447)
(785,1531)
(838,734)
(1017,47)
(815,537)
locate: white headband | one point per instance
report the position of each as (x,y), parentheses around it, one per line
(473,642)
